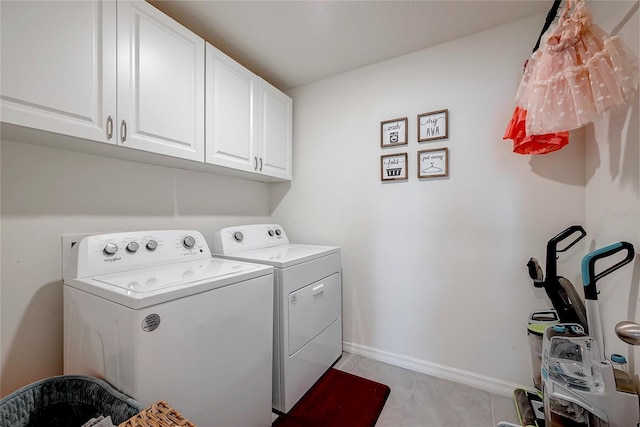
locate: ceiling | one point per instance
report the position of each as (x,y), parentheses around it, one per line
(293,43)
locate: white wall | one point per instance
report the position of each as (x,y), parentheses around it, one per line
(612,192)
(434,270)
(48,192)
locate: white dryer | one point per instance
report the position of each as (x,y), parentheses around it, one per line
(307,337)
(156,316)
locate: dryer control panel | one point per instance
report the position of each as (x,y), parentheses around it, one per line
(111,253)
(242,238)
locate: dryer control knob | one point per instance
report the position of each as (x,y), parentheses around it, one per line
(151,245)
(278,232)
(110,249)
(188,242)
(238,236)
(132,247)
(271,233)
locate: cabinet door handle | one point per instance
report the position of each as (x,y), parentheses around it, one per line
(255,167)
(260,164)
(109,128)
(123,131)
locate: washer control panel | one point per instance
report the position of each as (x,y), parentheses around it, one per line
(242,238)
(110,253)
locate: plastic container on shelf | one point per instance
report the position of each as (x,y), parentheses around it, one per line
(538,321)
(624,382)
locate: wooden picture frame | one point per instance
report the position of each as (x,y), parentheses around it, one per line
(433,126)
(394,132)
(393,167)
(433,163)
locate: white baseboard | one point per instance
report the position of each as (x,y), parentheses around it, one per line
(482,382)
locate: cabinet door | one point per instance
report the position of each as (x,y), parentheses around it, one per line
(275,139)
(231,113)
(59,66)
(160,83)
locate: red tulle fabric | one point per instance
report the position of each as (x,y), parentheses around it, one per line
(532,144)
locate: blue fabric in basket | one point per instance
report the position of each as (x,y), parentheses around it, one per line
(65,400)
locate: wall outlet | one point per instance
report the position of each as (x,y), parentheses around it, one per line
(68,241)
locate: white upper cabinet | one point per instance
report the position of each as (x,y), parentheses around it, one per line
(248,121)
(59,67)
(124,73)
(160,83)
(230,113)
(60,60)
(275,130)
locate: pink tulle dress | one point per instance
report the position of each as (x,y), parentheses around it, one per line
(579,74)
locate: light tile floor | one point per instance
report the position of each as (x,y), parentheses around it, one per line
(420,400)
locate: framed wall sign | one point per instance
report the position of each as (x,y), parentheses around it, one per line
(433,163)
(393,132)
(433,125)
(393,167)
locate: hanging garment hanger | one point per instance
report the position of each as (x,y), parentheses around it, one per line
(551,15)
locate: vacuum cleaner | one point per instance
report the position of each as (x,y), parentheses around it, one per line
(563,295)
(581,387)
(580,322)
(567,308)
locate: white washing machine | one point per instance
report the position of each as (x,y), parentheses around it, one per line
(307,337)
(156,316)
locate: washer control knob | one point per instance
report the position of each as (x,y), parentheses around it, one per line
(271,233)
(188,242)
(278,232)
(151,245)
(110,249)
(132,247)
(238,236)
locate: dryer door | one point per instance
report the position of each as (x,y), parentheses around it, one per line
(312,309)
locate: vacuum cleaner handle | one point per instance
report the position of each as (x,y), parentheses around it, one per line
(589,278)
(552,248)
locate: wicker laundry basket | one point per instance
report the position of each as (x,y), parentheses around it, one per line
(160,414)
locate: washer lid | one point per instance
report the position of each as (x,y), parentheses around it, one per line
(159,278)
(148,286)
(286,255)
